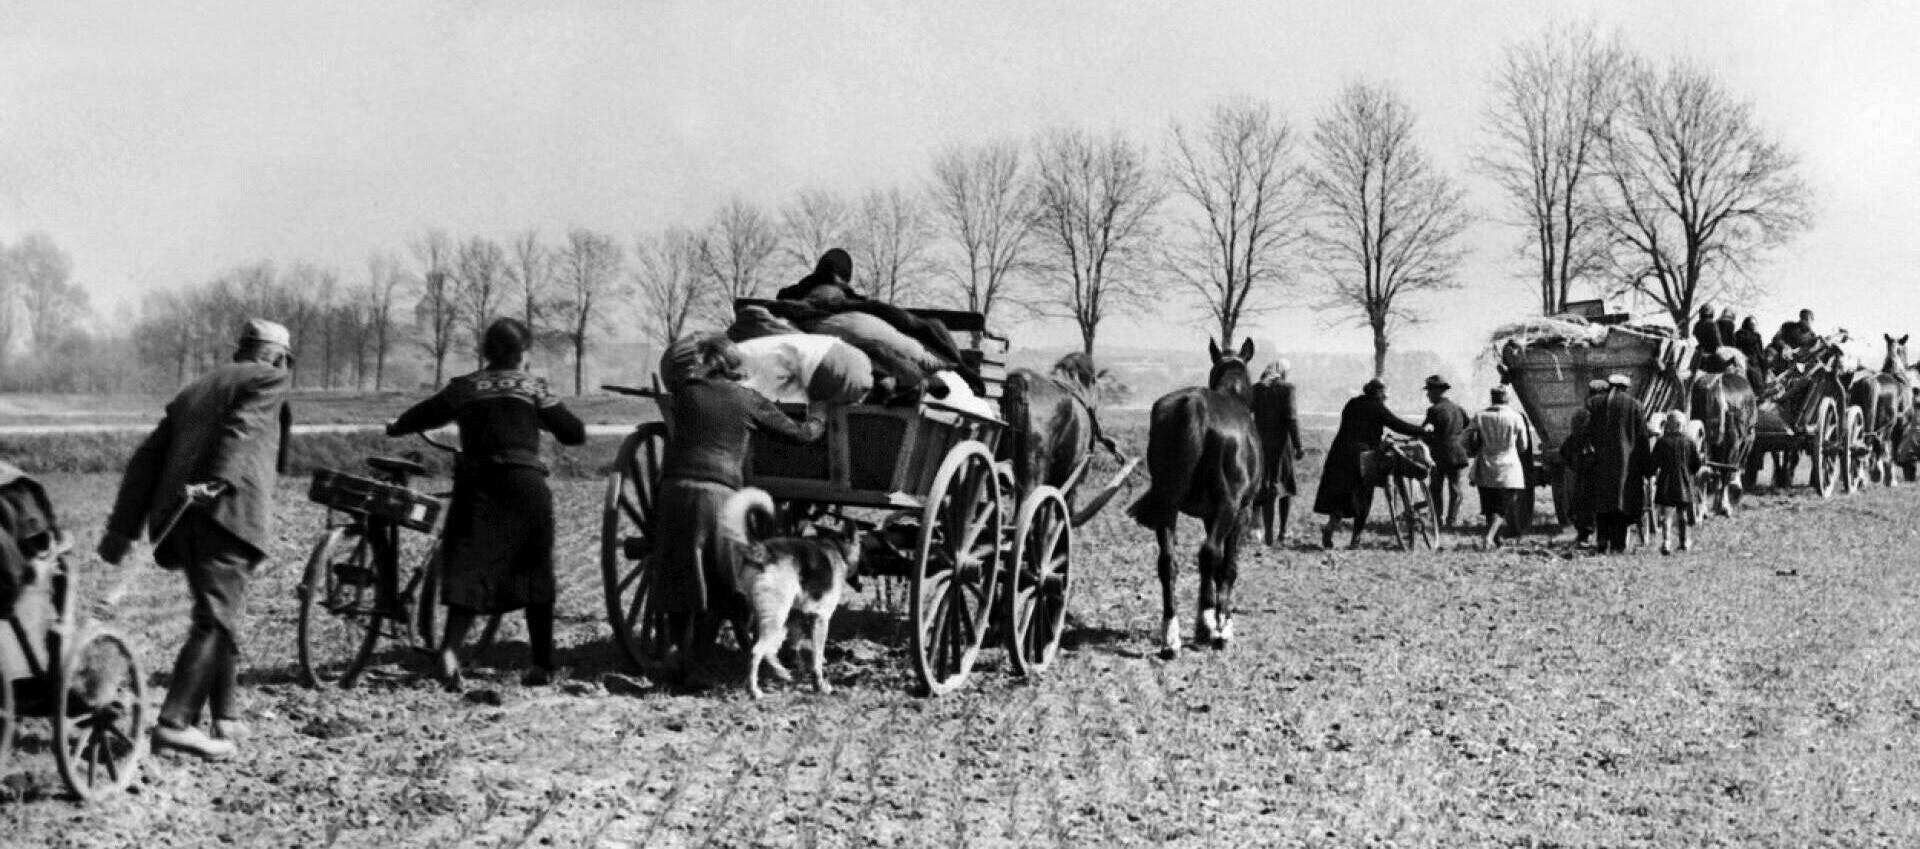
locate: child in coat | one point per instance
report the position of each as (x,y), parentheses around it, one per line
(1675,462)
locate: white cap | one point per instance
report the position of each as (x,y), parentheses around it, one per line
(262,330)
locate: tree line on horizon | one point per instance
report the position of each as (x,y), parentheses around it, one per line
(1615,172)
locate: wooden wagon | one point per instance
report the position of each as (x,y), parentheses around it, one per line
(950,524)
(1550,378)
(1806,414)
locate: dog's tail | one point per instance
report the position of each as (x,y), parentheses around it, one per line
(744,511)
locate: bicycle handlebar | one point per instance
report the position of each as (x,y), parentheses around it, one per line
(435,441)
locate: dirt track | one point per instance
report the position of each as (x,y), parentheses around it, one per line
(1726,697)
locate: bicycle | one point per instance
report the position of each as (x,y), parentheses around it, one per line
(351,595)
(1400,468)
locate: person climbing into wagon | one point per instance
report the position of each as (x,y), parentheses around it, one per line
(1344,490)
(201,488)
(498,542)
(714,418)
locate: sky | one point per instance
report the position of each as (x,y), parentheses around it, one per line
(163,143)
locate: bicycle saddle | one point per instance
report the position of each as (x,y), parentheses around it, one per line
(396,466)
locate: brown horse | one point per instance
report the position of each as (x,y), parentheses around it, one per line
(1053,421)
(1726,408)
(1885,399)
(1203,453)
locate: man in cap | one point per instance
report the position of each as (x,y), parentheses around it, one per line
(1576,453)
(1617,430)
(1445,432)
(201,488)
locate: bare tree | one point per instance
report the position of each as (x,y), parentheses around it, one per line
(437,313)
(50,301)
(530,276)
(1390,223)
(1699,191)
(1554,98)
(816,220)
(984,204)
(669,287)
(895,239)
(734,252)
(1095,200)
(589,284)
(9,302)
(480,267)
(386,283)
(1248,196)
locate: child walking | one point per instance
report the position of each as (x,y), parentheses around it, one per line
(1675,462)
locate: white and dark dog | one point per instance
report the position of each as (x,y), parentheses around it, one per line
(781,576)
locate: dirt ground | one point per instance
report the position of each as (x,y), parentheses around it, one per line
(1759,691)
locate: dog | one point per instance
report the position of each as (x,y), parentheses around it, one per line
(784,575)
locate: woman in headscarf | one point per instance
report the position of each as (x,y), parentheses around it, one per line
(498,544)
(714,418)
(1344,492)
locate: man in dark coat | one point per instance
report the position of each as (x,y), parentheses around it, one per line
(830,283)
(1576,454)
(1344,492)
(1706,332)
(1617,430)
(1726,329)
(1279,422)
(1445,427)
(201,488)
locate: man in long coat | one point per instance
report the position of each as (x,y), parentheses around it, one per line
(1617,431)
(1576,454)
(201,488)
(1279,422)
(1344,491)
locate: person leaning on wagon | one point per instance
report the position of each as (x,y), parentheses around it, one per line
(714,417)
(1576,453)
(498,543)
(1344,491)
(1498,438)
(1445,436)
(1617,430)
(202,485)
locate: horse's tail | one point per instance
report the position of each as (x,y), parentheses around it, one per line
(1014,411)
(1174,443)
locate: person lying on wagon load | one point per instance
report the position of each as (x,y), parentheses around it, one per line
(906,348)
(787,368)
(714,419)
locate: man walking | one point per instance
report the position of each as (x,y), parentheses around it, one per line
(1498,438)
(1279,423)
(1576,454)
(1444,432)
(1617,431)
(201,488)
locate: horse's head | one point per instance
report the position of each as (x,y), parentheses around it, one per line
(1896,362)
(1230,373)
(1076,369)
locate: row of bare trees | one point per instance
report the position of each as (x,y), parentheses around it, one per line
(1623,174)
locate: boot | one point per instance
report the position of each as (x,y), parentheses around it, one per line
(194,673)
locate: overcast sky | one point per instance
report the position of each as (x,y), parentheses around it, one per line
(161,144)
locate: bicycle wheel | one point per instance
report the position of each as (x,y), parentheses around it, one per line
(338,627)
(1397,513)
(1421,514)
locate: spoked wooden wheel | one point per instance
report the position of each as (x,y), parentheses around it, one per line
(1397,514)
(9,720)
(1862,464)
(337,628)
(100,715)
(959,561)
(1830,449)
(626,541)
(1423,517)
(1039,582)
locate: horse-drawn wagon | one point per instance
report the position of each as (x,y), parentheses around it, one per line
(979,558)
(1805,413)
(1550,362)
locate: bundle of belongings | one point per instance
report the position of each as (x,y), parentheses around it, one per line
(31,544)
(821,341)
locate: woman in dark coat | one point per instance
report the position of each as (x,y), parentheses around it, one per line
(1344,492)
(714,417)
(498,545)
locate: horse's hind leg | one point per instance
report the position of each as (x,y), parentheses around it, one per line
(1169,619)
(1213,554)
(1226,571)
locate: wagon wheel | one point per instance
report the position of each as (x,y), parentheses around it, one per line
(9,719)
(1041,581)
(1860,467)
(626,537)
(337,630)
(959,560)
(1830,449)
(100,715)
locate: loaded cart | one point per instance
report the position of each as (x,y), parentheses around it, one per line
(980,559)
(1549,362)
(1806,413)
